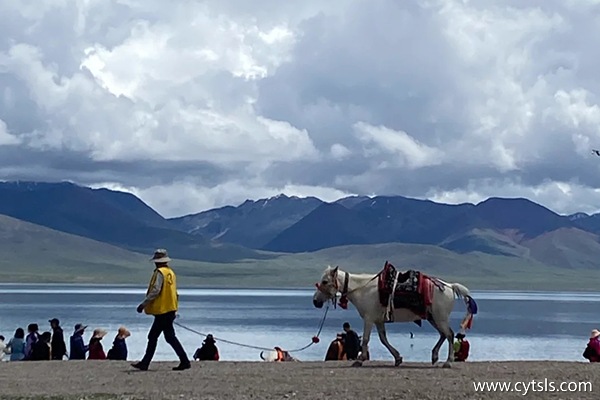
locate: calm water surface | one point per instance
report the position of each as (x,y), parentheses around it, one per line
(509,325)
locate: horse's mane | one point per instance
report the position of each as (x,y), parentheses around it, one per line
(361,275)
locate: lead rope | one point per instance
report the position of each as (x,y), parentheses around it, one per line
(315,338)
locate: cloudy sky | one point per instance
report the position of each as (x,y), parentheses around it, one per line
(195,104)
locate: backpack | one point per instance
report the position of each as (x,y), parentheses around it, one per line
(588,352)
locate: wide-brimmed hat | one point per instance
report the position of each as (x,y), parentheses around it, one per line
(160,256)
(80,327)
(99,333)
(123,332)
(209,339)
(595,333)
(460,335)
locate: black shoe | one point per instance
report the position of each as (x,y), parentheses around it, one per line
(182,366)
(140,366)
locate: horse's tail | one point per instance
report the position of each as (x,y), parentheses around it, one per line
(461,291)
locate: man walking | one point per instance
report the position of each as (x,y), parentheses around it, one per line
(162,302)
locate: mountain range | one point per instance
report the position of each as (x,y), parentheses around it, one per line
(80,229)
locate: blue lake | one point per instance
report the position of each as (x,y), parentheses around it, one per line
(509,325)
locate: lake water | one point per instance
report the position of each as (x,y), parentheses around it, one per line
(509,325)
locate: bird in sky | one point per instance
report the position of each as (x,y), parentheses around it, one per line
(596,152)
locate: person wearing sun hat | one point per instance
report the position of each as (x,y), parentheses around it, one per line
(162,302)
(208,351)
(119,348)
(95,346)
(78,347)
(461,348)
(592,350)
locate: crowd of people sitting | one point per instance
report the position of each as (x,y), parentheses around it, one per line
(50,345)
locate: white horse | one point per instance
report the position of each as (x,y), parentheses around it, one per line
(362,291)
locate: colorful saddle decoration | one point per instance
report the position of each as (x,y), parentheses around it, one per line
(412,290)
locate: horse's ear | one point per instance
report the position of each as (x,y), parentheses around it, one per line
(335,271)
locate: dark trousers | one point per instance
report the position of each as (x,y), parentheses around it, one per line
(164,324)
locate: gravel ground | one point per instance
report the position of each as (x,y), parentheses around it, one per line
(301,380)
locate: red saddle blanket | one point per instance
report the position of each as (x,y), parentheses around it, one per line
(414,290)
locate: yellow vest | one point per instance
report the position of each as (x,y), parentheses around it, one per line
(167,299)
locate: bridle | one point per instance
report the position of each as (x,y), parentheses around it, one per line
(343,302)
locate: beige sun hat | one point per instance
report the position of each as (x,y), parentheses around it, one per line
(123,332)
(99,333)
(160,256)
(595,333)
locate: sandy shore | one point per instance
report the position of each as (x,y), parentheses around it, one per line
(305,380)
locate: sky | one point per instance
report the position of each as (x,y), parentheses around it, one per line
(197,104)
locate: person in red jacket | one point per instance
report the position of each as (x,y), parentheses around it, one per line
(461,348)
(592,351)
(96,351)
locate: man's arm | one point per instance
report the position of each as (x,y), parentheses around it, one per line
(154,290)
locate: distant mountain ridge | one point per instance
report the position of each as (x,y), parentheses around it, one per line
(265,229)
(514,227)
(389,219)
(108,216)
(252,223)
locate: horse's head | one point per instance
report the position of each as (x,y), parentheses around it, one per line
(327,287)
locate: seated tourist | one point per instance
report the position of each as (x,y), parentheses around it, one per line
(96,351)
(118,350)
(208,351)
(592,350)
(41,350)
(335,352)
(78,348)
(461,348)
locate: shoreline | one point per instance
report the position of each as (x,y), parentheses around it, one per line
(143,286)
(230,380)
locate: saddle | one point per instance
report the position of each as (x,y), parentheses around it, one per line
(412,290)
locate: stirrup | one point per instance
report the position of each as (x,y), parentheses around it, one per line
(389,314)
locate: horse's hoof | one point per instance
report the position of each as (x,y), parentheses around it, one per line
(434,359)
(447,364)
(357,363)
(398,362)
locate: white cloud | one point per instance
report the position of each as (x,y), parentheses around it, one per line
(224,100)
(5,137)
(562,197)
(181,197)
(339,151)
(405,149)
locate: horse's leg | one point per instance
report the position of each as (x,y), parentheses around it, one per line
(436,349)
(446,330)
(366,336)
(384,340)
